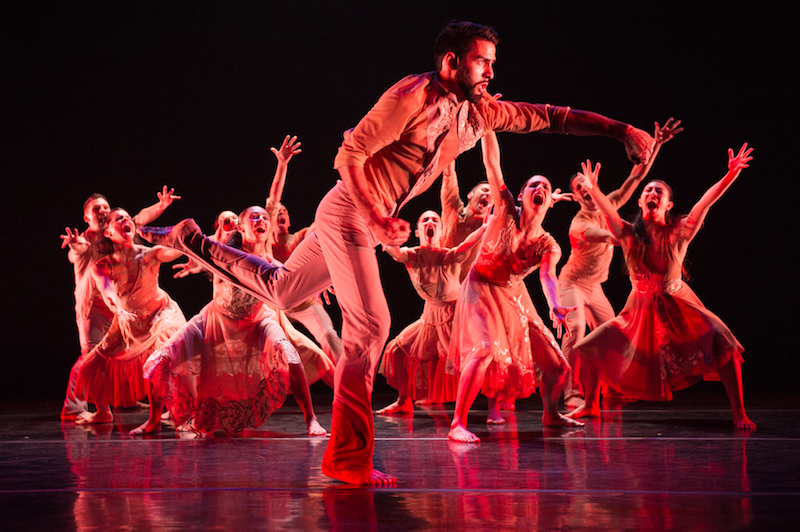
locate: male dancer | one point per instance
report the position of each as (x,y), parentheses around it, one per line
(414,131)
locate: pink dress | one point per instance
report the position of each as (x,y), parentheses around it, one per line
(414,362)
(111,373)
(227,368)
(495,317)
(664,339)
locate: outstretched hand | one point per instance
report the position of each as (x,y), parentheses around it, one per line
(559,316)
(592,175)
(166,197)
(72,236)
(667,132)
(739,161)
(562,196)
(289,148)
(185,269)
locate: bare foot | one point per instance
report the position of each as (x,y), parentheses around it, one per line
(93,418)
(741,421)
(583,411)
(494,418)
(560,421)
(398,408)
(315,429)
(165,416)
(361,478)
(459,433)
(147,427)
(186,427)
(573,402)
(424,402)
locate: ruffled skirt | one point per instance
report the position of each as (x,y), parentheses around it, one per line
(662,341)
(223,373)
(111,373)
(499,322)
(414,362)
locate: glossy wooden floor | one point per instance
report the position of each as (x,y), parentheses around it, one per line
(644,466)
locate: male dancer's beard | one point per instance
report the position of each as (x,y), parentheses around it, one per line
(466,88)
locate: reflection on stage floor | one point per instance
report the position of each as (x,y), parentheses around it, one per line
(663,466)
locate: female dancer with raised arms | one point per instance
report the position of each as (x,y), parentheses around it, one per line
(664,339)
(497,334)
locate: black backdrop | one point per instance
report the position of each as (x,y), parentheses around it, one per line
(124,97)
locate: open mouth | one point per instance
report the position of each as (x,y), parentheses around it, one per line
(483,203)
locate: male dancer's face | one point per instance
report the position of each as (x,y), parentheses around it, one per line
(95,213)
(475,71)
(429,229)
(479,200)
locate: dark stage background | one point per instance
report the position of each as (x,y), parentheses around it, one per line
(124,97)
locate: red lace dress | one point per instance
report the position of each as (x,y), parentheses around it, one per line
(495,317)
(664,339)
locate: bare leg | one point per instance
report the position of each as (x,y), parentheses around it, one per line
(103,415)
(551,386)
(731,376)
(403,406)
(298,383)
(469,384)
(591,390)
(153,423)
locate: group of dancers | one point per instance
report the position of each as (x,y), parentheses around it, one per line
(231,365)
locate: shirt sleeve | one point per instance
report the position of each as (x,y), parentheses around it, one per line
(522,117)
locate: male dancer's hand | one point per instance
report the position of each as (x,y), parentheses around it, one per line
(391,231)
(638,145)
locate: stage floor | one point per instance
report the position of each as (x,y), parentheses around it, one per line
(644,466)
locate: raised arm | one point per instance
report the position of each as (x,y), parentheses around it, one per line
(289,148)
(736,163)
(588,179)
(148,214)
(662,135)
(449,194)
(490,149)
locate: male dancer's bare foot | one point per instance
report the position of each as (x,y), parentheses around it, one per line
(459,433)
(147,427)
(741,421)
(398,408)
(94,418)
(508,406)
(360,478)
(315,429)
(424,402)
(560,420)
(584,411)
(167,236)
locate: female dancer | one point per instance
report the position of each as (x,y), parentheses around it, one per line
(664,339)
(414,362)
(144,318)
(591,250)
(497,334)
(229,368)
